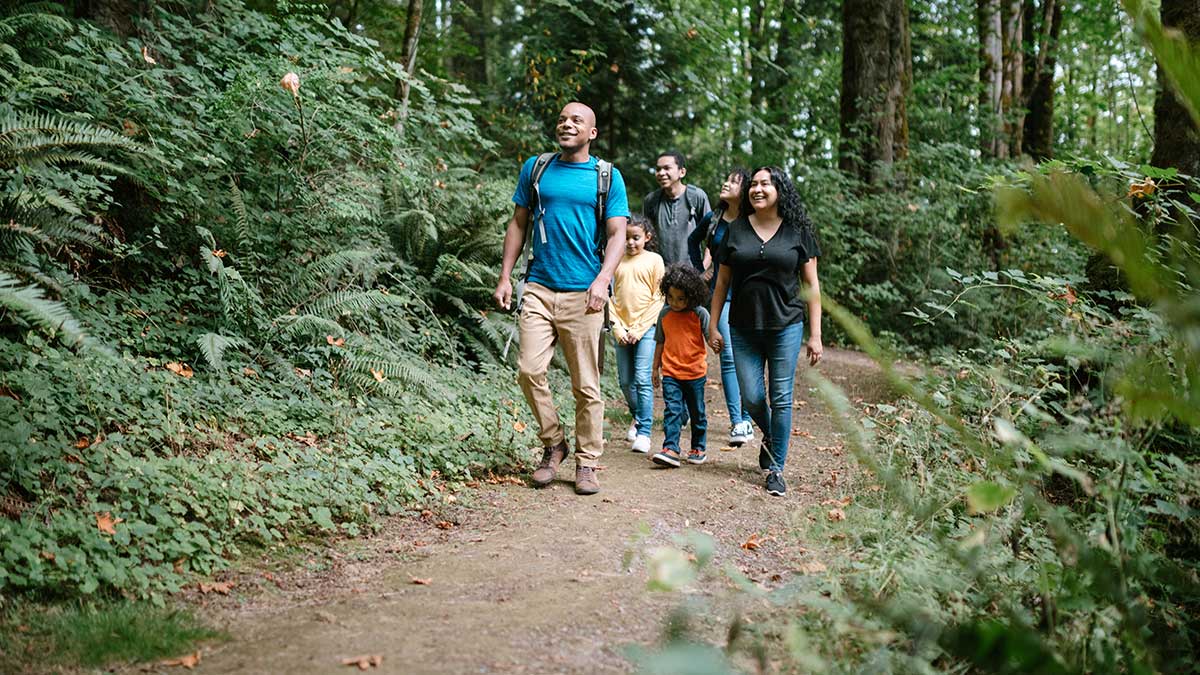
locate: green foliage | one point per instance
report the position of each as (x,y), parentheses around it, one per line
(94,635)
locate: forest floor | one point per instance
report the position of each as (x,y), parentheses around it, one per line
(509,579)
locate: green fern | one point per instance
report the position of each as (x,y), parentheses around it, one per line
(31,304)
(213,346)
(351,302)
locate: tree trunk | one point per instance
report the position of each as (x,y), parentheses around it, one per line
(1039,85)
(1011,96)
(1176,139)
(876,81)
(412,33)
(991,75)
(115,15)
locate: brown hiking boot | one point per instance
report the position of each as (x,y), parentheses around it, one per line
(551,458)
(586,482)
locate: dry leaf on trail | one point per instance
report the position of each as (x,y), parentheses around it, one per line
(106,523)
(811,567)
(180,369)
(444,525)
(519,426)
(874,488)
(836,515)
(364,662)
(222,587)
(336,342)
(801,433)
(843,502)
(728,448)
(189,661)
(148,59)
(755,542)
(420,581)
(378,375)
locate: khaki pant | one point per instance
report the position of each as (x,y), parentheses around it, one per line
(549,318)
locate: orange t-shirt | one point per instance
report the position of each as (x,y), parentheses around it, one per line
(682,336)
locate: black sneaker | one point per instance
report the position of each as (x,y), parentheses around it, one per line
(775,484)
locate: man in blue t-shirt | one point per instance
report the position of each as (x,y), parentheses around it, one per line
(566,289)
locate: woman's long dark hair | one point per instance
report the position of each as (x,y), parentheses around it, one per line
(741,172)
(791,210)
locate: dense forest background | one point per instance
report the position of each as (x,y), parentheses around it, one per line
(247,249)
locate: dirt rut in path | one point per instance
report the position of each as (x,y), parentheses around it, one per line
(523,580)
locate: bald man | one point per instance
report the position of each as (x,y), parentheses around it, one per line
(566,289)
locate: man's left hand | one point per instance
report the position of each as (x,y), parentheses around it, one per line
(597,295)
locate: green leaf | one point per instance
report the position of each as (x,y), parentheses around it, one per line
(321,516)
(986,497)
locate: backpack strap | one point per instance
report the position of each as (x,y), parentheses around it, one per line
(604,171)
(691,199)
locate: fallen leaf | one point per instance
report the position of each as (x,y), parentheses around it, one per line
(219,253)
(249,372)
(303,372)
(843,502)
(444,525)
(801,433)
(364,662)
(222,587)
(291,82)
(150,59)
(519,426)
(326,617)
(129,128)
(47,555)
(692,34)
(189,661)
(421,581)
(836,515)
(180,369)
(336,342)
(106,523)
(378,375)
(83,443)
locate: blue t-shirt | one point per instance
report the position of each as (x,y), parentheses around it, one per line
(566,259)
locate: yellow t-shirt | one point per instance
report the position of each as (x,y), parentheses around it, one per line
(636,299)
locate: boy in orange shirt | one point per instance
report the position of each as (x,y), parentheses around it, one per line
(681,363)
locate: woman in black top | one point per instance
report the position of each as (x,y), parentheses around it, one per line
(767,250)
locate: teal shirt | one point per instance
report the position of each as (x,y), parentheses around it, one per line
(568,259)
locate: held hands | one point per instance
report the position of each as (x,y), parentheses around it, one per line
(814,349)
(656,378)
(503,294)
(715,340)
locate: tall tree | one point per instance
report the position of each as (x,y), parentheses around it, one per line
(408,55)
(876,82)
(1000,24)
(1038,140)
(1176,139)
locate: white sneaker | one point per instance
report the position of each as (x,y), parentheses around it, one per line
(641,444)
(631,435)
(741,434)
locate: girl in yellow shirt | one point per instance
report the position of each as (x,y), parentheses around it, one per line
(634,308)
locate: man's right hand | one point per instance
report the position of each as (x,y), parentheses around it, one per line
(503,294)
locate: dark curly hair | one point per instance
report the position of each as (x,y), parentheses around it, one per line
(687,279)
(791,210)
(638,220)
(741,172)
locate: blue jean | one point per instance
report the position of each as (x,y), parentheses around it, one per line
(683,399)
(772,353)
(729,381)
(634,365)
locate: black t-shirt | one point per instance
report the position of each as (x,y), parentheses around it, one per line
(766,275)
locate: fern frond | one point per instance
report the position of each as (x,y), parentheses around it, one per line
(241,219)
(31,304)
(397,375)
(351,302)
(213,346)
(306,324)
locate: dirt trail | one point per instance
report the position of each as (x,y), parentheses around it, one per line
(533,581)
